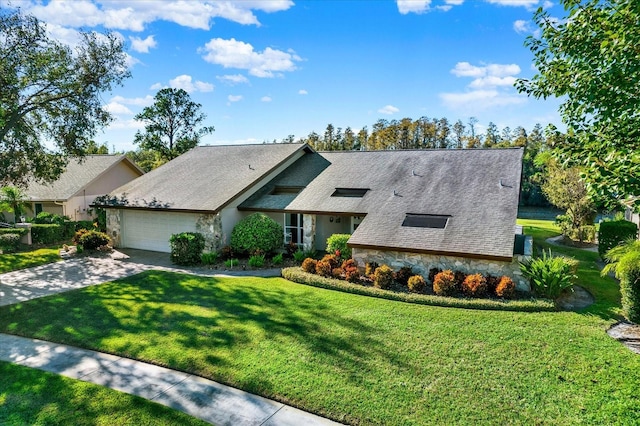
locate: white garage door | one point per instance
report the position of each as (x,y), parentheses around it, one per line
(147,230)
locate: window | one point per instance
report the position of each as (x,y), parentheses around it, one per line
(293,228)
(286,190)
(38,208)
(350,192)
(425,221)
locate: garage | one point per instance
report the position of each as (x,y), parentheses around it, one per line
(151,230)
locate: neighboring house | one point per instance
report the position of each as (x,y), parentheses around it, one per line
(429,208)
(82,181)
(632,217)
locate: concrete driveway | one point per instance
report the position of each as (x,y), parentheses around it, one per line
(26,284)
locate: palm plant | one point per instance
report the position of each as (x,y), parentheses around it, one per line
(624,261)
(14,200)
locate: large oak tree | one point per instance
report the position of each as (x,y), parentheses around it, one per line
(50,94)
(590,59)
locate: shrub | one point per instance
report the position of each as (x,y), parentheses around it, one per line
(20,231)
(351,272)
(492,283)
(459,278)
(474,285)
(9,243)
(277,259)
(47,234)
(186,248)
(92,240)
(78,235)
(338,242)
(291,248)
(614,233)
(257,261)
(309,265)
(416,284)
(333,260)
(226,252)
(506,288)
(444,283)
(257,232)
(337,273)
(624,260)
(323,268)
(48,218)
(432,273)
(209,258)
(299,255)
(370,268)
(230,263)
(402,275)
(549,275)
(585,233)
(383,277)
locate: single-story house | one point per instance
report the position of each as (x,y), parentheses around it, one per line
(82,181)
(426,208)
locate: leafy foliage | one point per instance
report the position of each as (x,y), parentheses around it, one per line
(171,124)
(589,59)
(299,255)
(324,268)
(402,275)
(186,248)
(624,260)
(444,283)
(383,277)
(506,288)
(9,243)
(338,242)
(309,265)
(277,259)
(47,233)
(350,268)
(257,261)
(209,258)
(92,240)
(474,285)
(13,199)
(50,93)
(257,232)
(416,284)
(614,233)
(549,275)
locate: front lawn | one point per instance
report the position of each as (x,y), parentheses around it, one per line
(14,261)
(355,359)
(34,397)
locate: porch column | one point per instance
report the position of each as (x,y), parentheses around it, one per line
(309,231)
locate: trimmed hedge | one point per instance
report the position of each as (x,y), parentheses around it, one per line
(186,248)
(297,275)
(257,233)
(19,231)
(47,234)
(9,243)
(613,233)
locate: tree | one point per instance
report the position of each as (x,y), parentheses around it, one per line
(590,59)
(171,124)
(50,93)
(458,134)
(491,136)
(12,199)
(93,148)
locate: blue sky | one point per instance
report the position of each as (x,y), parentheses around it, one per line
(265,69)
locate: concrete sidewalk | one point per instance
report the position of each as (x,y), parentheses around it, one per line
(207,400)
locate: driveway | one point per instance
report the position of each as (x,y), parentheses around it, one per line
(69,274)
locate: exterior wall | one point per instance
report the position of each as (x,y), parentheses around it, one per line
(326,226)
(114,178)
(632,217)
(48,206)
(422,263)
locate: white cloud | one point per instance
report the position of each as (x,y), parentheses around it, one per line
(492,81)
(525,27)
(156,86)
(302,92)
(547,4)
(465,69)
(143,46)
(185,83)
(117,109)
(454,2)
(266,99)
(490,75)
(413,6)
(523,3)
(125,124)
(233,79)
(388,109)
(141,102)
(134,15)
(237,54)
(478,100)
(234,98)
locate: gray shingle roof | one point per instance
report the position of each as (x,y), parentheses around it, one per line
(479,189)
(76,177)
(206,178)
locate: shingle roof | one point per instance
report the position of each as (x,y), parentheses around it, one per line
(206,178)
(479,189)
(78,174)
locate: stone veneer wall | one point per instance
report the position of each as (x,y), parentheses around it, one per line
(210,226)
(309,231)
(421,263)
(114,222)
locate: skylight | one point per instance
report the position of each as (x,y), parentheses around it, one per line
(350,192)
(425,221)
(286,190)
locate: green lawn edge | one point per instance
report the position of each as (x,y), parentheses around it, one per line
(297,275)
(10,262)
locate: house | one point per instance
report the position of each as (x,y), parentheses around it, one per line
(82,181)
(429,208)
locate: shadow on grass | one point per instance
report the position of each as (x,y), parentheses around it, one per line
(186,323)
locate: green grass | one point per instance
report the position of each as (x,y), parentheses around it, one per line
(33,397)
(355,359)
(14,261)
